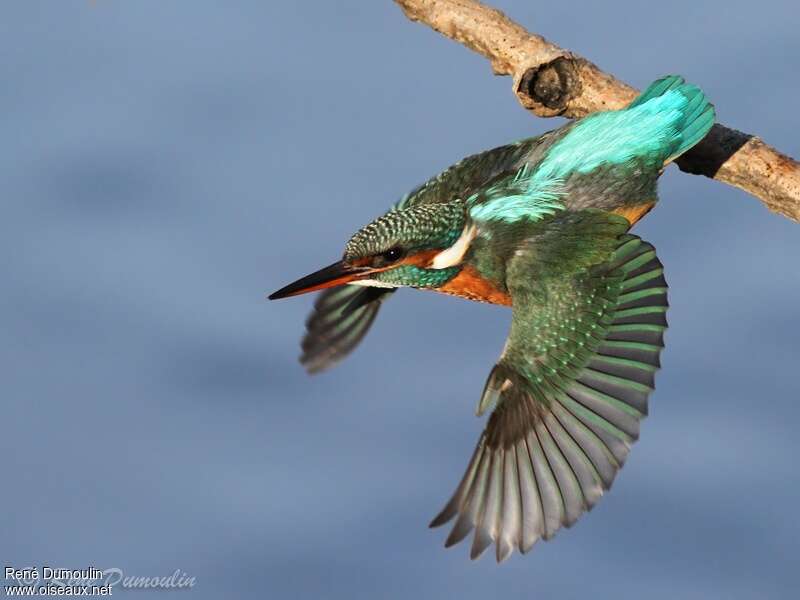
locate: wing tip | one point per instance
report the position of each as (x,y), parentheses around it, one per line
(441,519)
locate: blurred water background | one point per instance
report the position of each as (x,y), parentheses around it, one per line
(164,165)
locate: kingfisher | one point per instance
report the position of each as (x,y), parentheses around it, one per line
(542,226)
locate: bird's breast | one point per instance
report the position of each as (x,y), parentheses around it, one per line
(634,212)
(471,285)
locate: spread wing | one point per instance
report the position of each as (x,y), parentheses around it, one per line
(589,306)
(340,320)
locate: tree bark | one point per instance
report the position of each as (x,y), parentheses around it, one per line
(550,81)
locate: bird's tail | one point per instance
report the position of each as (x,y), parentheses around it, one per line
(683,105)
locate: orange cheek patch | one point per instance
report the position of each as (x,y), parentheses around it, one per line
(421,259)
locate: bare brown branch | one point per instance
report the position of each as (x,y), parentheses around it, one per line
(550,81)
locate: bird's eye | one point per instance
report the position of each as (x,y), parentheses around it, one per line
(393,254)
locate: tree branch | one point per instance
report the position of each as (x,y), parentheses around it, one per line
(551,81)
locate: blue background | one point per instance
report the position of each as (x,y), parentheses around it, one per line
(164,165)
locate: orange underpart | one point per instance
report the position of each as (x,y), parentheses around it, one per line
(634,213)
(470,285)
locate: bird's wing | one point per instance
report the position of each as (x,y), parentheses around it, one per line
(473,173)
(340,320)
(518,196)
(589,306)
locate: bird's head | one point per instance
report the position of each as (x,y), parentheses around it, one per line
(406,247)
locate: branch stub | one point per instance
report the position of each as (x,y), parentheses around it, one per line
(547,88)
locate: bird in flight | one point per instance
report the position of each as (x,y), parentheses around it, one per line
(540,225)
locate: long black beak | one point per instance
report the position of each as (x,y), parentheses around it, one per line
(336,274)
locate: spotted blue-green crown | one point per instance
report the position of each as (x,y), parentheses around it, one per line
(414,229)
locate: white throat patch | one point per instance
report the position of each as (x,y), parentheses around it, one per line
(371,283)
(455,253)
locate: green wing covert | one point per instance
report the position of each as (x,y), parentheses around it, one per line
(589,312)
